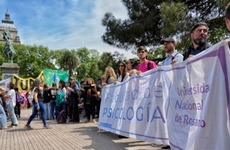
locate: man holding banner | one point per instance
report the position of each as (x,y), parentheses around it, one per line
(170,49)
(172,57)
(198,34)
(144,64)
(186,105)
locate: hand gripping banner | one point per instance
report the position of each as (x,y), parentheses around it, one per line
(186,105)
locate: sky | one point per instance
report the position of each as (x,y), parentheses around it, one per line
(60,24)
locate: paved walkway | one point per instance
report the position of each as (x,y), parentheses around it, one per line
(69,136)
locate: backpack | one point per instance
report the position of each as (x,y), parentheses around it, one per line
(19,98)
(148,66)
(61,118)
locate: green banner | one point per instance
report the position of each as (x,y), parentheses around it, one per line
(51,76)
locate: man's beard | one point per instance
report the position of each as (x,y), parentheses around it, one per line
(200,41)
(170,49)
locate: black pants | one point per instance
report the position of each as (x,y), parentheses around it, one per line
(90,109)
(28,103)
(98,106)
(73,111)
(17,109)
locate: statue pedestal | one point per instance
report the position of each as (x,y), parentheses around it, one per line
(8,69)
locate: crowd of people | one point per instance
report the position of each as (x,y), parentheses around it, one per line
(63,102)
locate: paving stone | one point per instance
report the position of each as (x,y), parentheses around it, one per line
(69,136)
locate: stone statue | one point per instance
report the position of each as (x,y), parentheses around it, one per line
(8,50)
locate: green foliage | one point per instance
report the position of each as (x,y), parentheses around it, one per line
(183,43)
(88,60)
(174,18)
(150,21)
(2,56)
(141,29)
(68,61)
(156,54)
(222,3)
(55,56)
(118,56)
(31,59)
(106,60)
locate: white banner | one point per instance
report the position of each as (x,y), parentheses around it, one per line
(3,83)
(186,105)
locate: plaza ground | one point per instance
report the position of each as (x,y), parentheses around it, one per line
(69,136)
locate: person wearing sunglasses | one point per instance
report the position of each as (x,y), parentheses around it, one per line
(122,72)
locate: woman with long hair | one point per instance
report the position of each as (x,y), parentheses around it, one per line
(90,99)
(110,76)
(61,104)
(131,64)
(122,72)
(38,105)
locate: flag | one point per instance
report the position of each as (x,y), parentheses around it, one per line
(54,76)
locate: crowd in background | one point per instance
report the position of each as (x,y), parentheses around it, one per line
(67,100)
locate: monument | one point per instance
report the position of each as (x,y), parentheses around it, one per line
(9,68)
(8,35)
(8,24)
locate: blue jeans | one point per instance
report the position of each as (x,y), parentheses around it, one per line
(35,112)
(3,120)
(10,110)
(53,109)
(48,111)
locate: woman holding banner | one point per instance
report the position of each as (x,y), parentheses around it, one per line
(110,76)
(122,72)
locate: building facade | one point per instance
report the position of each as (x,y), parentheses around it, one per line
(8,25)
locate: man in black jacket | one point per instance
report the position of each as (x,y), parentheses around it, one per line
(73,97)
(199,35)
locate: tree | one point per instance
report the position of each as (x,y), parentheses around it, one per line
(68,61)
(174,18)
(178,17)
(141,29)
(118,56)
(157,54)
(106,60)
(147,20)
(31,59)
(88,60)
(2,56)
(55,56)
